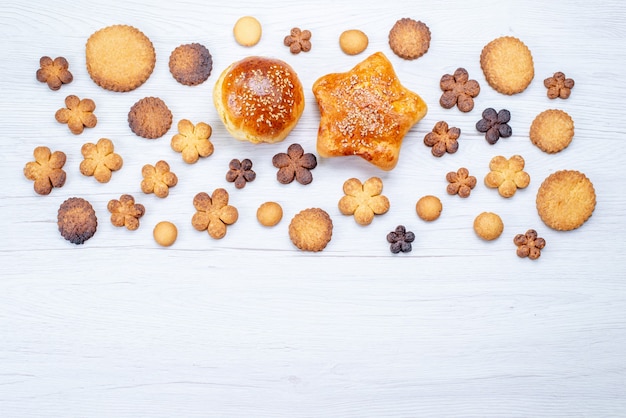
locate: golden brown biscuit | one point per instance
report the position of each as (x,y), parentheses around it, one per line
(269,213)
(165,233)
(77,113)
(125,212)
(150,118)
(100,160)
(507,64)
(192,140)
(213,213)
(507,175)
(247,31)
(47,170)
(353,41)
(565,200)
(409,39)
(429,208)
(488,226)
(120,58)
(76,220)
(552,130)
(191,64)
(363,200)
(54,72)
(366,112)
(311,229)
(158,179)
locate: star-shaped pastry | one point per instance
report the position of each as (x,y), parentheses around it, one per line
(366,112)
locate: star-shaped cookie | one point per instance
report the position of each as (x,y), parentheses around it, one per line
(366,112)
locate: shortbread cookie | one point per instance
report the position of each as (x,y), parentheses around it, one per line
(150,118)
(311,229)
(247,31)
(552,130)
(165,233)
(507,64)
(100,160)
(353,41)
(269,213)
(120,58)
(565,200)
(409,39)
(428,208)
(488,226)
(191,64)
(77,220)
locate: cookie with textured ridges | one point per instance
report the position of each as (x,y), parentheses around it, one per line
(507,64)
(150,118)
(191,64)
(311,229)
(120,58)
(552,130)
(565,200)
(409,39)
(76,220)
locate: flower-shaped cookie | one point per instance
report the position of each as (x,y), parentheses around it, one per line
(240,172)
(559,86)
(192,141)
(363,200)
(78,114)
(400,240)
(442,139)
(125,212)
(158,179)
(54,72)
(507,175)
(529,244)
(99,160)
(294,164)
(47,170)
(495,125)
(461,182)
(458,90)
(213,213)
(298,41)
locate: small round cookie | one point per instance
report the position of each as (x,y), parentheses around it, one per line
(429,208)
(565,200)
(247,31)
(120,58)
(488,226)
(507,64)
(353,41)
(269,213)
(552,130)
(165,233)
(191,64)
(409,39)
(150,118)
(76,220)
(311,229)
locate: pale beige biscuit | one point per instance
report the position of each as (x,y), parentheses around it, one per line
(353,41)
(120,58)
(311,229)
(269,213)
(150,118)
(507,64)
(565,200)
(409,38)
(552,130)
(165,233)
(429,208)
(247,31)
(488,226)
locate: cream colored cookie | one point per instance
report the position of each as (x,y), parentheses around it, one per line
(552,130)
(311,229)
(269,213)
(488,226)
(247,31)
(353,41)
(507,64)
(165,233)
(429,208)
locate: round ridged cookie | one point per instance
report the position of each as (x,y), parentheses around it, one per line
(76,220)
(191,64)
(120,58)
(409,38)
(507,64)
(565,200)
(311,229)
(552,130)
(150,118)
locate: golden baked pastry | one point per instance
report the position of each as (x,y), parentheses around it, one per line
(77,113)
(47,170)
(120,58)
(191,64)
(507,64)
(76,220)
(213,213)
(100,160)
(311,229)
(259,99)
(366,112)
(552,130)
(363,200)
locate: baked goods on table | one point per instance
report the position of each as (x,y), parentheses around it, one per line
(259,99)
(55,72)
(366,112)
(529,244)
(458,90)
(507,175)
(192,141)
(150,118)
(311,229)
(363,200)
(488,226)
(269,213)
(429,208)
(191,64)
(126,212)
(213,213)
(158,179)
(100,160)
(76,220)
(298,40)
(409,38)
(247,31)
(552,130)
(507,64)
(353,41)
(77,114)
(47,170)
(443,139)
(295,164)
(165,233)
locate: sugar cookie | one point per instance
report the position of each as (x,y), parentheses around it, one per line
(552,130)
(429,208)
(353,41)
(247,31)
(507,64)
(269,213)
(165,233)
(488,226)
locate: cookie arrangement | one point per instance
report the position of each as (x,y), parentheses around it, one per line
(364,111)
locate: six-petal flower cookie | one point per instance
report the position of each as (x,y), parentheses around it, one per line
(125,212)
(47,170)
(294,164)
(100,160)
(460,183)
(213,213)
(54,72)
(443,139)
(158,179)
(363,200)
(458,90)
(507,175)
(192,140)
(77,113)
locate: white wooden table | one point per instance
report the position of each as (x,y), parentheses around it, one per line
(249,325)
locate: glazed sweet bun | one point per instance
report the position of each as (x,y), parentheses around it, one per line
(259,99)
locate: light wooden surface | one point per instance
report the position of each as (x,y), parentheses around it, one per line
(248,325)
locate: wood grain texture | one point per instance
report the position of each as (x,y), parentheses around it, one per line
(248,326)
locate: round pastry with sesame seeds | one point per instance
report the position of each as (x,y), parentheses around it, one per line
(259,99)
